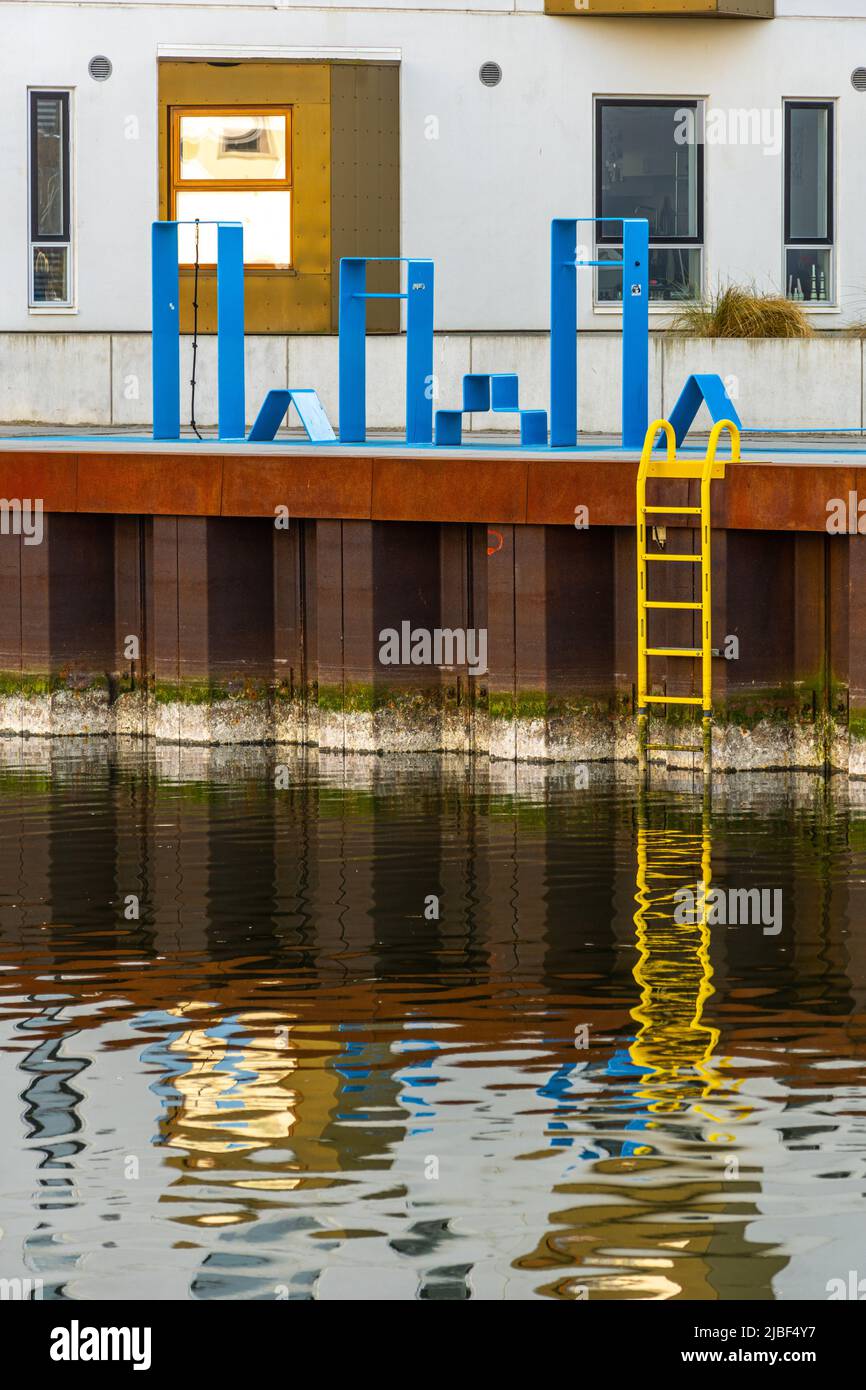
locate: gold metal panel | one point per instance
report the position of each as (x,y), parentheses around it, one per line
(270,298)
(716,9)
(365,180)
(276,301)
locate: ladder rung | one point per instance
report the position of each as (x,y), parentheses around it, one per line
(680,511)
(665,603)
(673,699)
(695,559)
(674,651)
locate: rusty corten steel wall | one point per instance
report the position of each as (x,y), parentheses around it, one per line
(58,599)
(551,610)
(227,600)
(324,485)
(539,491)
(186,556)
(401,564)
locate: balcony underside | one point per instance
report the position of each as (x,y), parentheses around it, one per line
(700,9)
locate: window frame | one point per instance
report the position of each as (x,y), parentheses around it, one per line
(52,239)
(830,304)
(677,104)
(801,104)
(178,185)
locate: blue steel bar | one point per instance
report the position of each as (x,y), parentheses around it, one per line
(563,327)
(419,347)
(230,331)
(563,331)
(352,350)
(635,331)
(165,320)
(419,352)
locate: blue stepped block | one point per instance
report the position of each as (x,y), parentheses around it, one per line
(497,392)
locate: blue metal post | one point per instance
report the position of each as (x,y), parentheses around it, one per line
(635,331)
(352,352)
(165,320)
(419,352)
(419,347)
(563,331)
(563,328)
(230,331)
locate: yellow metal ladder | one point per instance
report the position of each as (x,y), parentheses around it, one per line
(703,470)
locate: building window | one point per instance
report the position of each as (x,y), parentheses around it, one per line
(50,199)
(809,201)
(233,166)
(650,163)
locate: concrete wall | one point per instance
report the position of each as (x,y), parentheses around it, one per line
(482,170)
(104,379)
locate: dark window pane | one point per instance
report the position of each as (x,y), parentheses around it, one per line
(674,273)
(808,173)
(649,167)
(808,270)
(50,274)
(50,156)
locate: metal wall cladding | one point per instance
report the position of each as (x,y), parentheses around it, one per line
(345,185)
(365,181)
(232,600)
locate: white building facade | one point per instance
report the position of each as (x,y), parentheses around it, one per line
(742,140)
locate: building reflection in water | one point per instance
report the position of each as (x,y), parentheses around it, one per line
(285,1039)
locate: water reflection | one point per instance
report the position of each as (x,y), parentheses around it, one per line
(423,1030)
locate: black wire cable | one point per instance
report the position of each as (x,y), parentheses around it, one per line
(194,338)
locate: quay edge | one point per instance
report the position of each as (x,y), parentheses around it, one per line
(249,631)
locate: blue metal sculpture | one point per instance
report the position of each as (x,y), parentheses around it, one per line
(165,285)
(419,346)
(705,388)
(563,327)
(310,410)
(496,391)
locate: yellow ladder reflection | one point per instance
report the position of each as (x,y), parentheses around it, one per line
(674,1046)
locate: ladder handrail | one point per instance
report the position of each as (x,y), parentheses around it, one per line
(713,444)
(650,442)
(706,557)
(705,471)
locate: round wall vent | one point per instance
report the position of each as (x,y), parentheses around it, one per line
(490,74)
(858,79)
(99,68)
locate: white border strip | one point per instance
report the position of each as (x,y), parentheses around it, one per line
(275,51)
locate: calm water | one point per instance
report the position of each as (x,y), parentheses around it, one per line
(287,1077)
